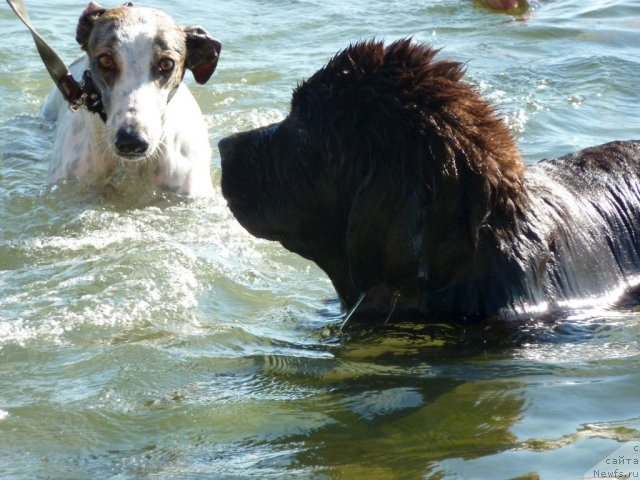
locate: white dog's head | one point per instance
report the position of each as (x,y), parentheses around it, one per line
(138,58)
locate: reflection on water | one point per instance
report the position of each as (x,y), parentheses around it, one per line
(147,336)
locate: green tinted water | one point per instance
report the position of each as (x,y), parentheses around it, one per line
(146,336)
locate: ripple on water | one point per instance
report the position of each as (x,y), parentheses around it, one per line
(147,336)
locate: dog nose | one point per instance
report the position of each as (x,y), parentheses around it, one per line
(131,143)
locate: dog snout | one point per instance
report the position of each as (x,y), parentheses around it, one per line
(131,143)
(243,143)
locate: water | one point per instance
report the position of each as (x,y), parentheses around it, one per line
(151,337)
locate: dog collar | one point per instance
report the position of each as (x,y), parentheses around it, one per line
(77,95)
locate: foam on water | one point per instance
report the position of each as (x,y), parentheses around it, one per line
(148,336)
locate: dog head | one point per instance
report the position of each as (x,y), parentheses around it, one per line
(138,58)
(383,172)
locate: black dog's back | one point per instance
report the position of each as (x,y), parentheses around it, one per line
(602,221)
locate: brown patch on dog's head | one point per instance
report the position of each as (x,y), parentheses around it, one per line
(384,172)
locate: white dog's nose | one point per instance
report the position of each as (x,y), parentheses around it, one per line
(131,143)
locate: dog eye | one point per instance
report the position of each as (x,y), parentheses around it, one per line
(166,65)
(106,61)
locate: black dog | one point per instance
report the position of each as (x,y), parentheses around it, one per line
(408,190)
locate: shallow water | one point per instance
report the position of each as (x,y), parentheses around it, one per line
(148,336)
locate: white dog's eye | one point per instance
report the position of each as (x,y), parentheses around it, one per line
(106,61)
(166,65)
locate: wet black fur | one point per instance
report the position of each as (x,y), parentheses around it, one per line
(404,186)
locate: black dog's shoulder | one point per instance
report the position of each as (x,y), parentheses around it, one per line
(612,157)
(598,170)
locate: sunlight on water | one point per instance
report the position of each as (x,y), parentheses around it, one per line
(143,335)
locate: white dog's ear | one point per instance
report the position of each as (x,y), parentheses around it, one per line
(203,52)
(85,24)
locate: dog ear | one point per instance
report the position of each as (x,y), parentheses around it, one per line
(86,22)
(203,52)
(385,238)
(407,236)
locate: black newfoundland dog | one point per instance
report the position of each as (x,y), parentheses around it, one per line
(408,190)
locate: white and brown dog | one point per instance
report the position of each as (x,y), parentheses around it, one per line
(137,58)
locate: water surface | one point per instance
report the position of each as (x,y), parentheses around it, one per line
(149,336)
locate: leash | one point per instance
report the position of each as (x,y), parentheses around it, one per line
(78,95)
